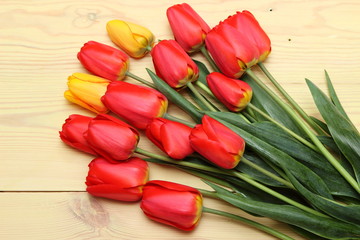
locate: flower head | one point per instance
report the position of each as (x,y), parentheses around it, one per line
(103,60)
(173,64)
(173,204)
(188,27)
(136,104)
(111,138)
(233,93)
(133,39)
(86,90)
(122,181)
(217,143)
(170,136)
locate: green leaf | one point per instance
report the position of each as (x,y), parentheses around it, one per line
(345,135)
(175,97)
(321,124)
(322,226)
(203,71)
(275,136)
(265,102)
(255,174)
(347,213)
(278,157)
(334,97)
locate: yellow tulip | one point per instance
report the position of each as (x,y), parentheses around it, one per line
(133,39)
(86,90)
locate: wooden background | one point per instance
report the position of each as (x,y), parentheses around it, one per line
(42,180)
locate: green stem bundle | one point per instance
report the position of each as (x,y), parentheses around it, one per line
(308,131)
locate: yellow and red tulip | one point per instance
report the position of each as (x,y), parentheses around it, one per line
(172,204)
(217,143)
(188,27)
(233,93)
(133,39)
(103,60)
(238,43)
(111,138)
(116,180)
(173,64)
(86,90)
(73,130)
(170,136)
(136,104)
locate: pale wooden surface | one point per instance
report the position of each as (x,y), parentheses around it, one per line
(42,180)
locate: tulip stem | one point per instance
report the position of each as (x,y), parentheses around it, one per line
(176,119)
(181,163)
(310,134)
(299,110)
(249,222)
(296,136)
(209,58)
(200,97)
(139,79)
(205,88)
(267,173)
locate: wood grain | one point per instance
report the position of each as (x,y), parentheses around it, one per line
(39,41)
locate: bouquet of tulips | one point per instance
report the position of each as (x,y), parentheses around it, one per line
(257,152)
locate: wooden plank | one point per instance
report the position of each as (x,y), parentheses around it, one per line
(80,216)
(39,41)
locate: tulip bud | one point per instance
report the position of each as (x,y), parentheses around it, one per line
(188,27)
(103,60)
(238,43)
(246,22)
(73,132)
(121,181)
(170,136)
(234,94)
(86,90)
(173,65)
(217,143)
(173,204)
(133,39)
(136,104)
(111,138)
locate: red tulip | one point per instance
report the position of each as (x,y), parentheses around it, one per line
(217,143)
(173,204)
(170,136)
(111,138)
(246,22)
(188,27)
(122,181)
(173,65)
(138,105)
(103,60)
(234,94)
(73,132)
(237,43)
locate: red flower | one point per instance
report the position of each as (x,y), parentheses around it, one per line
(111,138)
(73,132)
(103,60)
(234,94)
(122,181)
(188,27)
(238,43)
(246,22)
(172,204)
(173,65)
(138,105)
(170,136)
(217,143)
